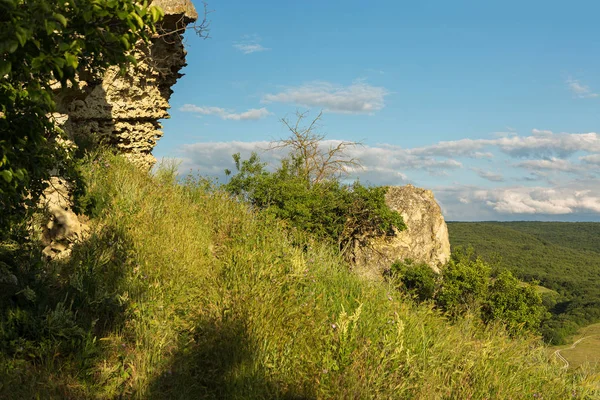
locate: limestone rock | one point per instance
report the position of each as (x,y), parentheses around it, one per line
(123,111)
(183,8)
(424,240)
(62,227)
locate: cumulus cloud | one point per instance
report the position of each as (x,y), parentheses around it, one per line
(541,144)
(252,114)
(546,175)
(575,201)
(490,176)
(549,144)
(580,90)
(553,164)
(542,200)
(250,44)
(455,148)
(358,98)
(591,159)
(381,165)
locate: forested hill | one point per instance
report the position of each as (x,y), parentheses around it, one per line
(562,256)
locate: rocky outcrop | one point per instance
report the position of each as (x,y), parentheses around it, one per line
(124,111)
(425,239)
(62,226)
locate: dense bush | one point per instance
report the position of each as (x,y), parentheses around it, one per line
(466,285)
(332,211)
(518,306)
(419,280)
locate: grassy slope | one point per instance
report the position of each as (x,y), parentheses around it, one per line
(585,351)
(221,303)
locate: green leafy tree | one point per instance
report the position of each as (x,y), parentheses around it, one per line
(516,305)
(464,284)
(45,45)
(305,190)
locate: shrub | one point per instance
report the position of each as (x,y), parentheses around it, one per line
(332,211)
(306,190)
(464,283)
(419,280)
(516,305)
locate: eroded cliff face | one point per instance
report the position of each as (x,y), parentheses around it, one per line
(121,111)
(124,111)
(424,240)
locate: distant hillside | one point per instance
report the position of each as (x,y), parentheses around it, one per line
(564,257)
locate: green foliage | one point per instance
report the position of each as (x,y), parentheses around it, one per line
(563,257)
(419,280)
(466,285)
(518,306)
(338,213)
(38,295)
(46,44)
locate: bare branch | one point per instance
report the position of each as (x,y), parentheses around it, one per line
(306,145)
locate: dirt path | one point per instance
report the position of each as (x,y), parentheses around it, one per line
(560,356)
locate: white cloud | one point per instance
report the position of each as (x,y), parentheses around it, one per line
(576,201)
(252,114)
(455,148)
(549,144)
(250,44)
(358,98)
(553,164)
(591,159)
(541,132)
(381,165)
(579,90)
(490,176)
(541,200)
(552,183)
(541,144)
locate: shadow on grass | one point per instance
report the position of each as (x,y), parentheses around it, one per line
(52,314)
(218,364)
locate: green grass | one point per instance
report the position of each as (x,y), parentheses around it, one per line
(586,353)
(215,301)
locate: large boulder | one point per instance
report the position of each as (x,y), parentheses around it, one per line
(425,239)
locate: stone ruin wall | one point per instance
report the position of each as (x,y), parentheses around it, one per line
(124,111)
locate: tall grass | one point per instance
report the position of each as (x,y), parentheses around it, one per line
(215,301)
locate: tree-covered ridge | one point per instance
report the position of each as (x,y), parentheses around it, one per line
(574,235)
(563,257)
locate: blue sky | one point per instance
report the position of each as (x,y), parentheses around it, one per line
(492,105)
